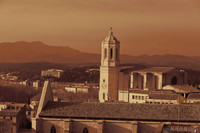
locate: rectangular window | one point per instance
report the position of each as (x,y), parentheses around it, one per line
(104,96)
(133,97)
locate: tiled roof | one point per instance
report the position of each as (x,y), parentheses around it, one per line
(8,113)
(156,69)
(186,88)
(194,96)
(110,38)
(164,96)
(139,91)
(122,111)
(4,120)
(36,97)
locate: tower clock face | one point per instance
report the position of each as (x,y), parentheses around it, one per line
(104,85)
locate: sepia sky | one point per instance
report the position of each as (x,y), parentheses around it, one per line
(142,26)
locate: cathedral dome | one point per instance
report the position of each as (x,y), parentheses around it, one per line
(110,38)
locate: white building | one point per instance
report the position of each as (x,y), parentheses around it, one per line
(52,72)
(76,89)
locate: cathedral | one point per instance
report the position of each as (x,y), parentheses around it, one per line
(127,84)
(131,101)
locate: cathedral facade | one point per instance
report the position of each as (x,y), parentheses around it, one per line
(128,84)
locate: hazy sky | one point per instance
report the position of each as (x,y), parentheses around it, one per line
(142,26)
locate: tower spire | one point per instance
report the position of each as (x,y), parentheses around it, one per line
(110,32)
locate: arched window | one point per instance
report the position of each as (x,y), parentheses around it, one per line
(174,80)
(111,53)
(85,130)
(105,53)
(53,129)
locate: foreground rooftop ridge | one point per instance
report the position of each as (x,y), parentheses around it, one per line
(123,111)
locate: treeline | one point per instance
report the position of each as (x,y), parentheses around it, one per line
(32,71)
(73,73)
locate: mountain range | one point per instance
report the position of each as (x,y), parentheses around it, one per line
(37,51)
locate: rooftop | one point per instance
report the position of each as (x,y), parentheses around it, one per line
(122,111)
(185,88)
(9,112)
(164,96)
(156,69)
(110,38)
(195,96)
(36,97)
(4,120)
(141,91)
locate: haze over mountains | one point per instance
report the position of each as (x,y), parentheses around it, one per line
(38,51)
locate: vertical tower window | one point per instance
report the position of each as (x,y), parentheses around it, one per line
(85,130)
(111,53)
(117,54)
(53,129)
(105,53)
(174,80)
(104,97)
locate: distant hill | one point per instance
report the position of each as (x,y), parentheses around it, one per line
(37,51)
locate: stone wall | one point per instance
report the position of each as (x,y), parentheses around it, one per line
(108,126)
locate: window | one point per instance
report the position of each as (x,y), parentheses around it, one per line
(111,53)
(104,96)
(85,130)
(105,53)
(53,129)
(142,97)
(133,97)
(117,53)
(174,80)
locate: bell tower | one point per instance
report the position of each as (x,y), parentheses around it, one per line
(109,69)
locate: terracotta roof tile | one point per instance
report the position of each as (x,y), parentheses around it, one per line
(36,97)
(156,69)
(164,96)
(194,96)
(186,88)
(8,113)
(157,112)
